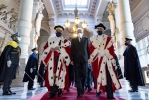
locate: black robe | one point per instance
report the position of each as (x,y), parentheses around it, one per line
(132,67)
(3,61)
(118,70)
(11,46)
(31,63)
(41,72)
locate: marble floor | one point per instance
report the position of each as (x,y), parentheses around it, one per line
(23,94)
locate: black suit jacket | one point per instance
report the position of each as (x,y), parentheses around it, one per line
(80,50)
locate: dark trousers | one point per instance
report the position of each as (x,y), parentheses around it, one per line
(109,90)
(89,77)
(80,75)
(30,84)
(10,73)
(71,74)
(41,83)
(134,86)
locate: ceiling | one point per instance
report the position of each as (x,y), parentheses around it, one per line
(89,9)
(62,9)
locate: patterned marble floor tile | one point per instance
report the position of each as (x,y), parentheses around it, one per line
(23,94)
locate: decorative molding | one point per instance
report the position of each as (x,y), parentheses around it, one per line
(8,19)
(5,28)
(58,4)
(7,24)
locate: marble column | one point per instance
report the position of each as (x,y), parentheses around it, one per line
(52,21)
(126,26)
(24,25)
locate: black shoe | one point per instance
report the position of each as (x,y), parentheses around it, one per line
(79,95)
(11,92)
(59,92)
(7,93)
(89,89)
(133,90)
(82,92)
(111,99)
(98,94)
(31,88)
(85,89)
(52,95)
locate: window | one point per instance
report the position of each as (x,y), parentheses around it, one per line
(73,2)
(82,5)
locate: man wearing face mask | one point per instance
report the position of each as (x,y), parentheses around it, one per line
(79,58)
(132,67)
(31,69)
(9,62)
(56,58)
(103,62)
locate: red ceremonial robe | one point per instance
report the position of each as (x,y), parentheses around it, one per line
(99,63)
(62,74)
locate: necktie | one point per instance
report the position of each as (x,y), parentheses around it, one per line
(80,39)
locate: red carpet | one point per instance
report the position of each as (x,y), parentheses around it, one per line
(72,96)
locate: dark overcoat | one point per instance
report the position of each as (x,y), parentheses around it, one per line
(132,67)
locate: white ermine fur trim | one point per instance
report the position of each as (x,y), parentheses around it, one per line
(63,58)
(107,59)
(50,70)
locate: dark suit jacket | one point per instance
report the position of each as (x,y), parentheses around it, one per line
(80,50)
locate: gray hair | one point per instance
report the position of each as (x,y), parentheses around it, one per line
(79,29)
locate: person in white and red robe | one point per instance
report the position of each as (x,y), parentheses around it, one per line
(103,62)
(56,57)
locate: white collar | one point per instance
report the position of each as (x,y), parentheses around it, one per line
(100,37)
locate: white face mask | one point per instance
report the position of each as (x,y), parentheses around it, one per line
(80,35)
(36,51)
(19,39)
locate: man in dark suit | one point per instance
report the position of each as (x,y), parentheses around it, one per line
(79,58)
